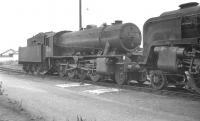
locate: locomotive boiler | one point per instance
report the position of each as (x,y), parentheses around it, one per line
(122,38)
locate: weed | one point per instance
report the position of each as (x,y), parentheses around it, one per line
(37,118)
(79,118)
(19,105)
(1,88)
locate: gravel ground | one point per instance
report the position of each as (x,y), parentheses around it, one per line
(59,100)
(12,111)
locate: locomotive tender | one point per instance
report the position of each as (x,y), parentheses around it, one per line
(171,51)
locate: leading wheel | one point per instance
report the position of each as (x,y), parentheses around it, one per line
(143,77)
(120,77)
(158,80)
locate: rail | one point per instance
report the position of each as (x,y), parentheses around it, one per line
(170,92)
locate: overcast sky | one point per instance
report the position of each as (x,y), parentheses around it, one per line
(21,19)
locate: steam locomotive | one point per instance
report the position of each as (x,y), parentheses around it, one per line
(170,54)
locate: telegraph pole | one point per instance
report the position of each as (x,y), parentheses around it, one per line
(80,15)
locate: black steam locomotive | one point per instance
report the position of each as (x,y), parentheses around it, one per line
(170,55)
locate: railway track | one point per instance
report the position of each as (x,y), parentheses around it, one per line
(171,92)
(11,70)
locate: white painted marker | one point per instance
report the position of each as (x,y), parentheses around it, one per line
(101,91)
(71,85)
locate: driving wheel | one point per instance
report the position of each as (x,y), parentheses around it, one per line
(120,77)
(94,76)
(82,75)
(71,74)
(158,79)
(62,71)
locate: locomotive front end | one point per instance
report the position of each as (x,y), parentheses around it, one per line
(172,47)
(124,37)
(130,37)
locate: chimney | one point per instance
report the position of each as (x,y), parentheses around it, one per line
(117,22)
